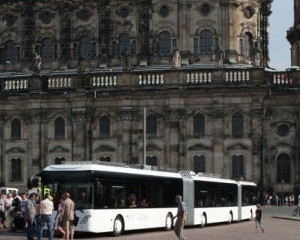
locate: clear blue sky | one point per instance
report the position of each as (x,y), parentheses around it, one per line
(281,19)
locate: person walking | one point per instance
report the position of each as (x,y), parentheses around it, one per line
(46,208)
(180,217)
(30,216)
(58,221)
(67,217)
(258,217)
(38,212)
(8,209)
(23,206)
(2,211)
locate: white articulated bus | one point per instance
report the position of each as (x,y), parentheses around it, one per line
(116,199)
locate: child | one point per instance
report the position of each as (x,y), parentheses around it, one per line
(258,216)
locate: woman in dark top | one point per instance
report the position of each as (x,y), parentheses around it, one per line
(258,216)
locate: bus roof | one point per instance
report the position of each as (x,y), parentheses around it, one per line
(247,183)
(88,166)
(106,168)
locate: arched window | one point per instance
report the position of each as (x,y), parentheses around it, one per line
(10,52)
(206,42)
(237,125)
(104,127)
(15,129)
(59,131)
(16,170)
(151,126)
(48,50)
(199,163)
(124,43)
(151,160)
(238,167)
(85,47)
(247,44)
(164,44)
(199,125)
(283,168)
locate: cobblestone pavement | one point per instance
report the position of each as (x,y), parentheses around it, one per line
(278,222)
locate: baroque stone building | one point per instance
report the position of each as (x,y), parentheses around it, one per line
(180,85)
(293,36)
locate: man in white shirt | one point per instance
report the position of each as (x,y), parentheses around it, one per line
(46,208)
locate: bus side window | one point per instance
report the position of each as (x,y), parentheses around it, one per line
(132,201)
(144,203)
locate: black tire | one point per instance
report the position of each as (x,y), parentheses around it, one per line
(169,222)
(230,218)
(203,221)
(118,226)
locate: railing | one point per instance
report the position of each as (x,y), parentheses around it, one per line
(59,82)
(198,77)
(104,81)
(282,79)
(237,76)
(15,84)
(155,78)
(151,79)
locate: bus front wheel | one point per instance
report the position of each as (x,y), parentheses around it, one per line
(118,226)
(230,218)
(203,221)
(169,222)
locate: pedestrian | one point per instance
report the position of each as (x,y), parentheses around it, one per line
(30,216)
(258,217)
(180,217)
(23,206)
(68,212)
(46,208)
(2,211)
(37,211)
(58,219)
(8,209)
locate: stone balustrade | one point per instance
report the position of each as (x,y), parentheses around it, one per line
(233,76)
(15,84)
(151,79)
(59,82)
(104,81)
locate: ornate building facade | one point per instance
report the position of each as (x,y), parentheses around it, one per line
(293,36)
(182,85)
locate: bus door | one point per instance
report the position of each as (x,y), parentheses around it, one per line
(189,198)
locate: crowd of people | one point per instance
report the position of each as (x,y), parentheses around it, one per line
(31,214)
(282,200)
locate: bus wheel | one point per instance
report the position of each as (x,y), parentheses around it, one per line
(203,221)
(169,222)
(118,226)
(251,214)
(230,218)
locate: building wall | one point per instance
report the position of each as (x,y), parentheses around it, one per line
(59,31)
(293,36)
(270,123)
(224,81)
